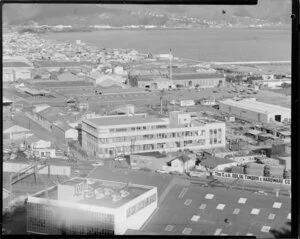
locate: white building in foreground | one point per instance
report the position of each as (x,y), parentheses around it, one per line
(84,206)
(256,111)
(109,136)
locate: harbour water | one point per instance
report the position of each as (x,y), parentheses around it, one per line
(213,44)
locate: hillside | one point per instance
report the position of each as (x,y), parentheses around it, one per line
(267,11)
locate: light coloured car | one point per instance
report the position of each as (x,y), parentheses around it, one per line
(97,164)
(120,159)
(162,171)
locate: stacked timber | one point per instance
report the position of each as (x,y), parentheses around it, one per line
(277,171)
(254,169)
(238,169)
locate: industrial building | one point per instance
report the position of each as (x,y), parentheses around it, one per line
(108,136)
(90,207)
(252,110)
(156,83)
(200,80)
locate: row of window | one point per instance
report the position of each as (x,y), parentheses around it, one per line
(138,128)
(138,148)
(150,136)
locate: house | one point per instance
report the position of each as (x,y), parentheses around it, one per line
(43,148)
(217,164)
(62,130)
(181,164)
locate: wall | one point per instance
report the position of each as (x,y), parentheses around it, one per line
(38,119)
(54,169)
(136,220)
(242,113)
(23,74)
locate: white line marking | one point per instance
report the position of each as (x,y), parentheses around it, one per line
(182,193)
(218,231)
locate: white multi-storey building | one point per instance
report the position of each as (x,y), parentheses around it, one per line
(108,136)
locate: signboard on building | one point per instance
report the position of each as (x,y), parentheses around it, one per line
(252,178)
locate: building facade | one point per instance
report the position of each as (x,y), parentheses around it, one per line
(200,80)
(255,111)
(109,136)
(90,207)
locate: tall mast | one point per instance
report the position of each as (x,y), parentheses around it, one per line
(171,58)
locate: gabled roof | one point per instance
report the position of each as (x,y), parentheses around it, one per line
(62,125)
(13,128)
(182,158)
(67,76)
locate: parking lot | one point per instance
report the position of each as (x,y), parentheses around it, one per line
(202,211)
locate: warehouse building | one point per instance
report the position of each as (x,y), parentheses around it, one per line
(108,136)
(256,111)
(201,80)
(83,206)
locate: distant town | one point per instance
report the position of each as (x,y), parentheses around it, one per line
(121,142)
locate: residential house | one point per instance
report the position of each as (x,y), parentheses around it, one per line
(217,164)
(181,164)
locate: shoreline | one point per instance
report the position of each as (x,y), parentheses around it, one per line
(46,30)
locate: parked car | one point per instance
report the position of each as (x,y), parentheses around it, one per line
(162,171)
(97,164)
(120,158)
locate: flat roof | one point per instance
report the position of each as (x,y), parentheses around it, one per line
(124,120)
(197,76)
(160,181)
(62,63)
(256,106)
(194,209)
(15,64)
(124,192)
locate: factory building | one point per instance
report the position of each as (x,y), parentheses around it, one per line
(82,206)
(201,80)
(108,136)
(252,110)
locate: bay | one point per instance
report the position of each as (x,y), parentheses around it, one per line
(212,44)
